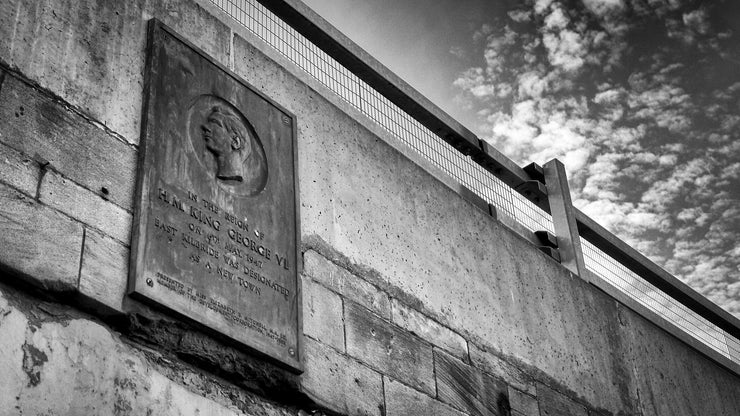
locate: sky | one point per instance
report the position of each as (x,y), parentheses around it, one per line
(640,99)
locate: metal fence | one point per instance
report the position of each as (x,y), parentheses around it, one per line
(352,89)
(659,302)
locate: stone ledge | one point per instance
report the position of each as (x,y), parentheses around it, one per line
(209,352)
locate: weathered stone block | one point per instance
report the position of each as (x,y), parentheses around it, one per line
(401,400)
(91,53)
(553,403)
(466,387)
(339,382)
(18,170)
(43,128)
(492,364)
(323,315)
(388,348)
(428,329)
(346,283)
(523,403)
(40,243)
(79,203)
(104,270)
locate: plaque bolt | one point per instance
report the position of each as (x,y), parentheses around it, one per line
(291,351)
(150,282)
(286,120)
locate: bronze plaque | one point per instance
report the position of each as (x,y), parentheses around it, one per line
(216,221)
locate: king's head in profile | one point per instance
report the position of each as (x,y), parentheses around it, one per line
(226,137)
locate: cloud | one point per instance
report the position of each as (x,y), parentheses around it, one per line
(565,49)
(556,20)
(541,5)
(690,27)
(520,16)
(649,134)
(482,32)
(697,21)
(458,52)
(604,7)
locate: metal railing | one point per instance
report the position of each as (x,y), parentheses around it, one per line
(334,61)
(649,296)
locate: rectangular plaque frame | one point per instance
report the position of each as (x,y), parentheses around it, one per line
(216,218)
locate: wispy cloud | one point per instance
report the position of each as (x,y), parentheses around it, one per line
(641,101)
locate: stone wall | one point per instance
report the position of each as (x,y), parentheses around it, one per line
(415,302)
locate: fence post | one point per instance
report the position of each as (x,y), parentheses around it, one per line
(564,218)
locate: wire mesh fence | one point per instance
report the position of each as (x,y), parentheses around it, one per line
(350,88)
(659,302)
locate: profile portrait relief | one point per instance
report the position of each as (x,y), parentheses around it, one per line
(227,139)
(226,146)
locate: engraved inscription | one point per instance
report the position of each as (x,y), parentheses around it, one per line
(237,232)
(180,289)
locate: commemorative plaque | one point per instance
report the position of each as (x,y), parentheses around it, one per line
(216,219)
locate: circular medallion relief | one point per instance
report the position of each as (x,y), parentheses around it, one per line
(226,145)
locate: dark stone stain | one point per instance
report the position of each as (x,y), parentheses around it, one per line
(33,361)
(504,407)
(51,117)
(124,383)
(470,389)
(121,407)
